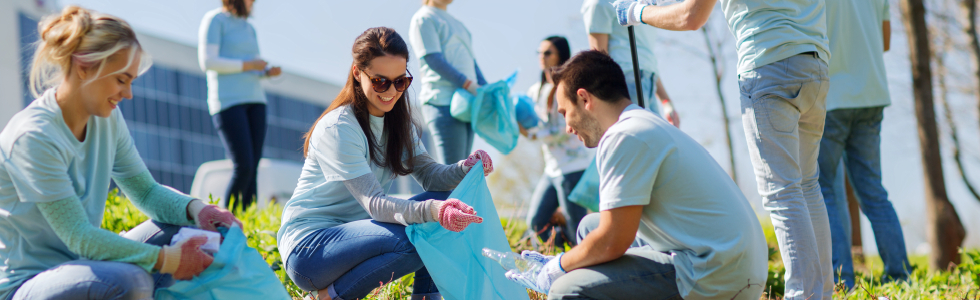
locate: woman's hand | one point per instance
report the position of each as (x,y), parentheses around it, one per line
(273,72)
(479,155)
(670,114)
(456,215)
(210,217)
(254,65)
(185,259)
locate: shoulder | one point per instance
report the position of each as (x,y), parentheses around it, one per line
(424,14)
(533,90)
(214,15)
(33,126)
(339,123)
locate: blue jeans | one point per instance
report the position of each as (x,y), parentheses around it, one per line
(858,133)
(352,259)
(550,194)
(453,138)
(783,111)
(242,129)
(641,273)
(648,81)
(89,279)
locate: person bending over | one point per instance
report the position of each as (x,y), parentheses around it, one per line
(672,223)
(341,234)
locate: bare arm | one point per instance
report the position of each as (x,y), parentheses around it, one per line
(661,91)
(599,41)
(616,232)
(886,34)
(687,15)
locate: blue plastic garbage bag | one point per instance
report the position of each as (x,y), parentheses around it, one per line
(460,107)
(586,191)
(524,109)
(238,272)
(455,259)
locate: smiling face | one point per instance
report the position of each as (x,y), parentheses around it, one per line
(389,67)
(578,120)
(102,92)
(547,55)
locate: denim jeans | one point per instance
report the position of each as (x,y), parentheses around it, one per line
(90,279)
(648,81)
(352,259)
(452,139)
(242,129)
(550,194)
(858,133)
(641,273)
(783,111)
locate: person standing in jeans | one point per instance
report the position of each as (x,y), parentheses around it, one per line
(860,33)
(228,51)
(565,157)
(606,35)
(447,64)
(783,54)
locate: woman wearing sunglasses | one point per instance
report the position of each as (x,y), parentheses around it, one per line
(341,234)
(566,158)
(228,51)
(447,64)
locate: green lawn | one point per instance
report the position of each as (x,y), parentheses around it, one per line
(962,282)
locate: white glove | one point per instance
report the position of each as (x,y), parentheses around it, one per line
(629,12)
(472,87)
(545,277)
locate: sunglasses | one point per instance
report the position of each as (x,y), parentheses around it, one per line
(546,53)
(382,84)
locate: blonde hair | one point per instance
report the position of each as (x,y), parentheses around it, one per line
(84,37)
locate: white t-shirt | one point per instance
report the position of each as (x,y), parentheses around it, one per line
(338,152)
(692,209)
(433,30)
(563,152)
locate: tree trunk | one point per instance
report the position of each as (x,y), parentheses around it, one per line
(970,28)
(944,230)
(713,56)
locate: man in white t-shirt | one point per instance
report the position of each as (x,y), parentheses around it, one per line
(671,221)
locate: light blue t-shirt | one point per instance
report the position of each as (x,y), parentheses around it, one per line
(857,72)
(692,209)
(338,151)
(42,161)
(600,17)
(433,30)
(236,39)
(767,31)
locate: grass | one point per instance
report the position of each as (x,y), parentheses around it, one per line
(961,282)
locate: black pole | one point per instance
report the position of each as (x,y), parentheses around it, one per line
(636,68)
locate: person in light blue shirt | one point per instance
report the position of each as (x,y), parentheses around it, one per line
(57,157)
(605,34)
(860,32)
(228,52)
(783,56)
(660,232)
(341,234)
(447,63)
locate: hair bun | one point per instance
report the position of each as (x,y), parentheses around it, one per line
(67,30)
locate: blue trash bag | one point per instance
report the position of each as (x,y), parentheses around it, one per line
(238,272)
(455,259)
(586,191)
(460,107)
(524,109)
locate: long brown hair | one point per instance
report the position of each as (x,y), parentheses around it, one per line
(399,126)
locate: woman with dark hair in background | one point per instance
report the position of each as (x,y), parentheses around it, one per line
(566,158)
(228,51)
(341,234)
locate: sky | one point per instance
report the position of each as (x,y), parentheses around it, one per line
(313,38)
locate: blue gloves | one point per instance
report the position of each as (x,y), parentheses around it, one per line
(549,272)
(630,12)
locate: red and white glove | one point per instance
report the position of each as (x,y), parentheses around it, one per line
(456,215)
(479,155)
(670,114)
(185,259)
(210,217)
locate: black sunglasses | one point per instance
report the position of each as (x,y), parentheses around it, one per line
(546,53)
(382,84)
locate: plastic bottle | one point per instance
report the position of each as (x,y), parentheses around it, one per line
(513,261)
